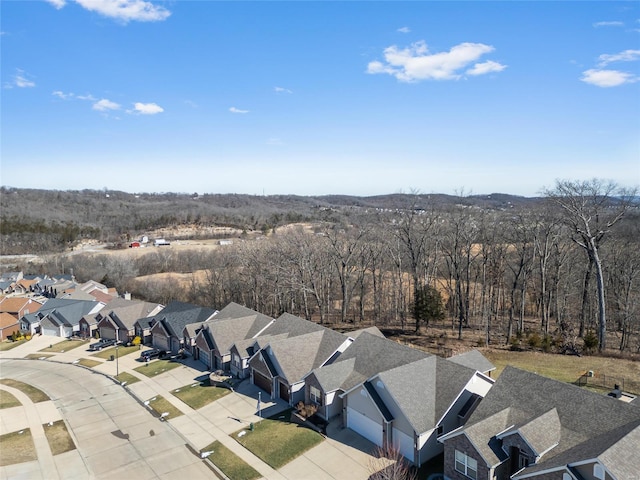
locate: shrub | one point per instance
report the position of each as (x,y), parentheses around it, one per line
(306,410)
(590,341)
(534,340)
(547,342)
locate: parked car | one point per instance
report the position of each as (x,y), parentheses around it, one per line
(102,343)
(151,354)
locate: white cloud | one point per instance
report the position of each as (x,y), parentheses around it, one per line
(608,24)
(237,110)
(486,67)
(62,95)
(415,63)
(404,29)
(21,80)
(88,96)
(57,3)
(147,108)
(105,105)
(607,78)
(282,90)
(625,56)
(123,10)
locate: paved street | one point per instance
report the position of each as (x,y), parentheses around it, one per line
(117,437)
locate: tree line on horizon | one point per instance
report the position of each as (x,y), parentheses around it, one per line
(565,269)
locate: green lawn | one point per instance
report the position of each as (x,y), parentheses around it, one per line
(8,344)
(7,400)
(58,437)
(231,465)
(122,351)
(64,346)
(87,362)
(127,377)
(199,394)
(35,394)
(567,368)
(38,356)
(278,442)
(162,405)
(17,447)
(157,367)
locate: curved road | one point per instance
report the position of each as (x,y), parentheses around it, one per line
(116,437)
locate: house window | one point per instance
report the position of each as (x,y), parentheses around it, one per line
(236,360)
(314,396)
(598,471)
(466,465)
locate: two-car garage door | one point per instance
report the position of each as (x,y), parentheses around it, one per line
(363,425)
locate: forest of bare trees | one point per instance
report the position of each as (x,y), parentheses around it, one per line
(563,271)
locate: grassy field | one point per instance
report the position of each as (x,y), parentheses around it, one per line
(17,447)
(7,400)
(278,442)
(58,437)
(199,394)
(36,395)
(161,405)
(230,464)
(568,368)
(157,367)
(63,346)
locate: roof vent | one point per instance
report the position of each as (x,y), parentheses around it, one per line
(616,392)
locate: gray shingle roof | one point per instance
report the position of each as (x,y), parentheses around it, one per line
(591,423)
(66,311)
(368,355)
(473,359)
(298,355)
(176,315)
(225,332)
(425,389)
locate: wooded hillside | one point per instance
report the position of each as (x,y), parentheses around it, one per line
(559,272)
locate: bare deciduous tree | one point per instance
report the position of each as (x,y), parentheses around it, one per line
(591,208)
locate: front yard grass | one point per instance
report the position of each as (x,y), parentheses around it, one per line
(127,377)
(58,437)
(161,405)
(7,400)
(122,351)
(199,394)
(277,442)
(17,447)
(38,356)
(231,465)
(63,346)
(157,367)
(8,344)
(35,394)
(87,362)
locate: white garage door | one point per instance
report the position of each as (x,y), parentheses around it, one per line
(404,444)
(363,425)
(51,331)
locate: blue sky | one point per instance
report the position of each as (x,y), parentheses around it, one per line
(313,98)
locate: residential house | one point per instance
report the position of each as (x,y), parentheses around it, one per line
(281,365)
(214,339)
(532,427)
(242,351)
(369,354)
(58,317)
(167,327)
(409,406)
(19,306)
(118,318)
(8,325)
